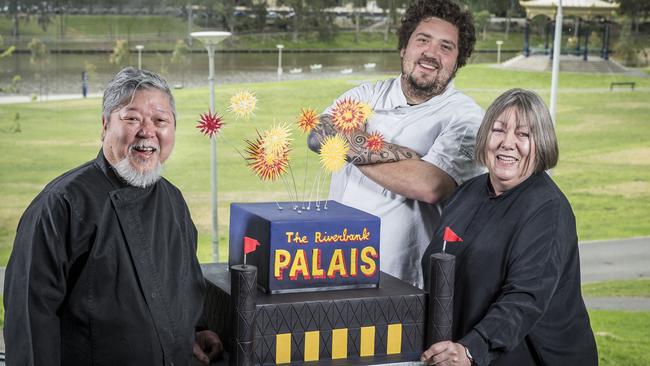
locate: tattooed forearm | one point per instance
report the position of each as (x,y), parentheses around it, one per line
(360,154)
(324,129)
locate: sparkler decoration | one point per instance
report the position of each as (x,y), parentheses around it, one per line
(210,124)
(266,166)
(375,142)
(333,153)
(366,109)
(307,120)
(243,104)
(276,140)
(348,115)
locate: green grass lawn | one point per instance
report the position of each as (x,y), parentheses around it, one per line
(603,138)
(630,288)
(622,337)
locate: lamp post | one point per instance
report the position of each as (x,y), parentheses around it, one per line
(210,39)
(280,47)
(139,48)
(557,45)
(499,43)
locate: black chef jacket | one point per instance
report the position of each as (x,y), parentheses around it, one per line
(517,297)
(103,273)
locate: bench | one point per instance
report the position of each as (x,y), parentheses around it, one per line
(631,84)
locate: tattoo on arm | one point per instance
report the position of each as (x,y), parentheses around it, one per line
(359,153)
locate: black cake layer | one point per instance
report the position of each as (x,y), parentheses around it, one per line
(317,315)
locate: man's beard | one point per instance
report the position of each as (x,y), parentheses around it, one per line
(136,178)
(427,89)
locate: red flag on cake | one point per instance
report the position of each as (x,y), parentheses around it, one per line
(250,244)
(449,235)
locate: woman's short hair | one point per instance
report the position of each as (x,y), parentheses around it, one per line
(529,108)
(446,10)
(120,90)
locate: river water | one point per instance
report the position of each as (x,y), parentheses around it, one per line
(62,72)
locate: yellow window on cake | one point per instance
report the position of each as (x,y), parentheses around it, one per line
(312,343)
(339,343)
(367,341)
(283,348)
(394,339)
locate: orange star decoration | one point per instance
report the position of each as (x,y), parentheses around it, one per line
(375,142)
(266,166)
(243,104)
(333,152)
(276,140)
(348,115)
(210,124)
(307,120)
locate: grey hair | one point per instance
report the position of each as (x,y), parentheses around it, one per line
(121,89)
(529,109)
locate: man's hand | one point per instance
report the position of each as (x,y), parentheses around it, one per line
(357,140)
(207,347)
(446,353)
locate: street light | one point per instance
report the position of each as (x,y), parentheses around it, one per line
(139,48)
(210,39)
(499,43)
(280,47)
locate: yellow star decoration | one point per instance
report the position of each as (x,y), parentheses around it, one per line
(333,151)
(243,104)
(348,115)
(307,120)
(276,140)
(366,110)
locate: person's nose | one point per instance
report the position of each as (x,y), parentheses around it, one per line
(509,140)
(147,129)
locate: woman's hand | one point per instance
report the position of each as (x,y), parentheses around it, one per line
(207,347)
(446,353)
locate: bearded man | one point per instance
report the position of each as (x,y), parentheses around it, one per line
(104,267)
(429,128)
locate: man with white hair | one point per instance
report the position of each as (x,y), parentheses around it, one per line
(104,266)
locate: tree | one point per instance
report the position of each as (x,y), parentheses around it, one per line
(120,55)
(481,21)
(259,13)
(635,9)
(298,8)
(40,57)
(627,48)
(357,6)
(389,8)
(322,20)
(13,86)
(179,57)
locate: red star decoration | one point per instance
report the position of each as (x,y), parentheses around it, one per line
(210,124)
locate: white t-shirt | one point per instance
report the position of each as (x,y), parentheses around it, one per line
(443,131)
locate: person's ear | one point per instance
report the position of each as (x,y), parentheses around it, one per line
(104,126)
(401,53)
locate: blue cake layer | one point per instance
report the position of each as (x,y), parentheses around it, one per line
(312,250)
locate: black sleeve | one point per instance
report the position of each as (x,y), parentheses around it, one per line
(534,265)
(35,284)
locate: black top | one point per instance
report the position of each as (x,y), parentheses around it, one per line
(103,273)
(517,285)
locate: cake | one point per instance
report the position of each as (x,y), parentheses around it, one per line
(311,291)
(314,250)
